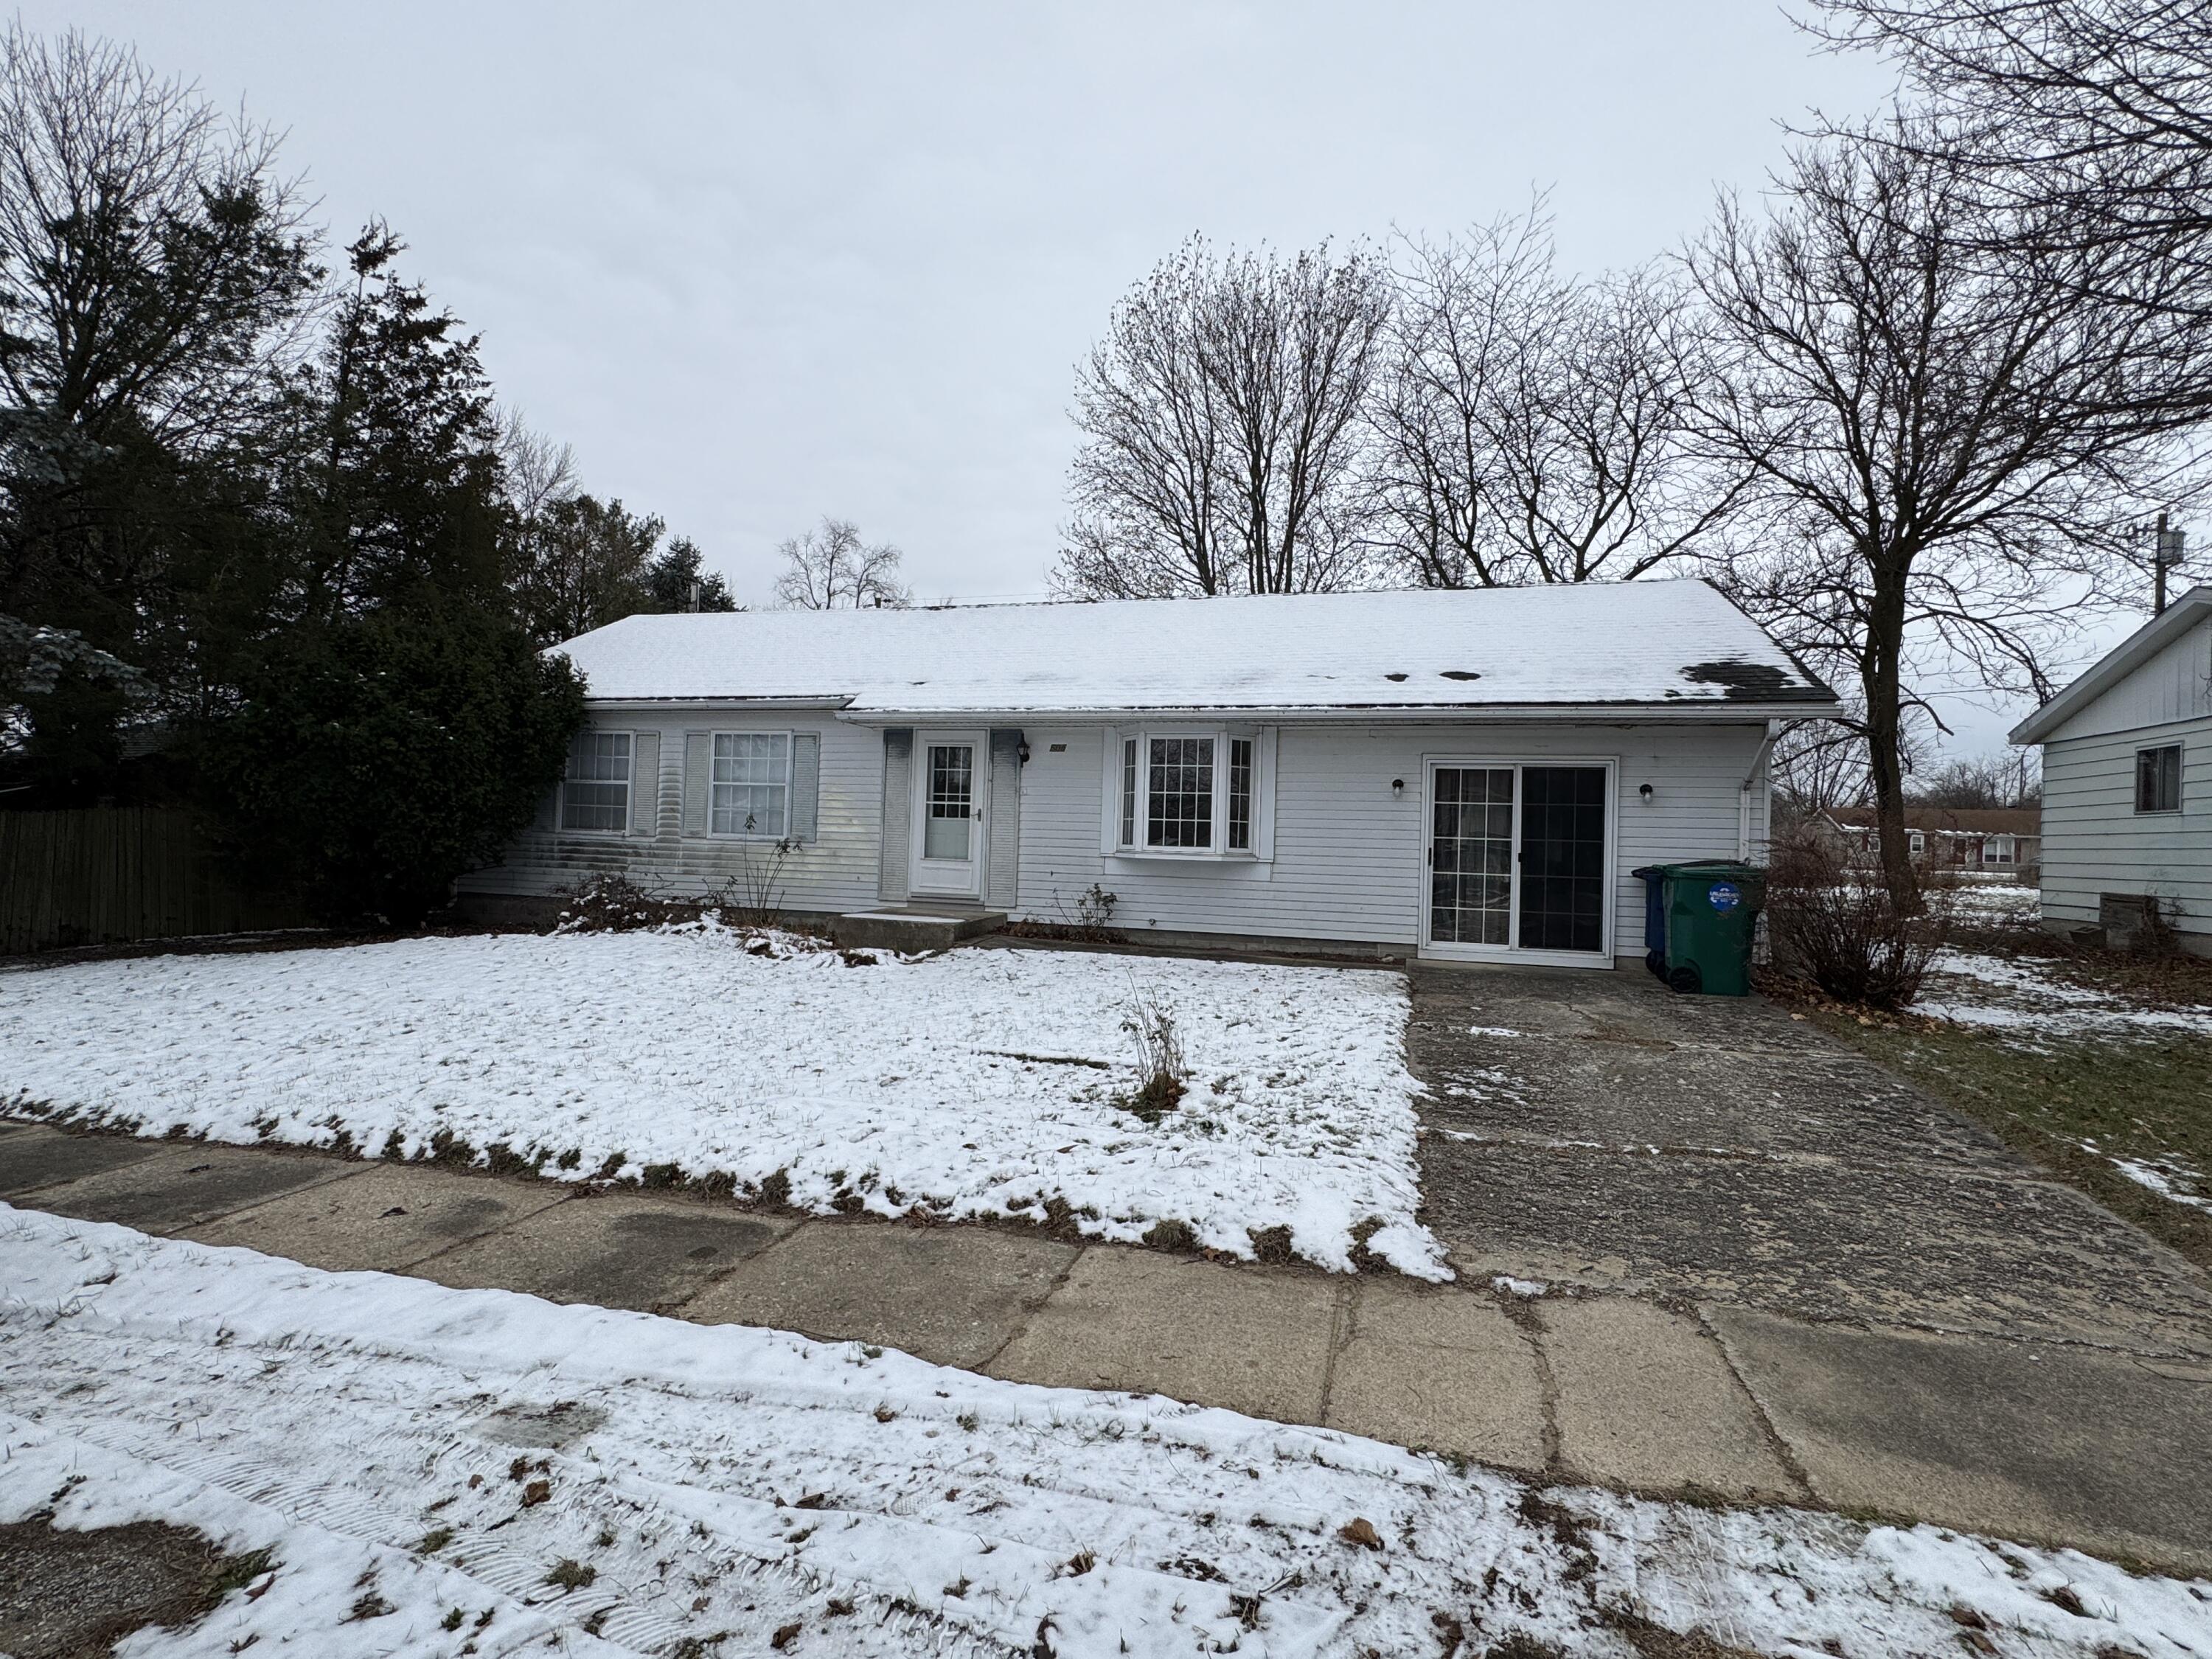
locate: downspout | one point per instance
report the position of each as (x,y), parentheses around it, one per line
(1774,729)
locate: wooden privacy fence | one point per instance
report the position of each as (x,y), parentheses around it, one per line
(107,875)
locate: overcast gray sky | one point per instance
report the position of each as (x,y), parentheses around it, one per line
(758,263)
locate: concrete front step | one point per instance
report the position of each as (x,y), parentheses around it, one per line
(914,930)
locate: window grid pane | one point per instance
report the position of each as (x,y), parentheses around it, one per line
(1129,791)
(1240,795)
(1179,793)
(1471,856)
(1562,858)
(948,822)
(752,784)
(596,795)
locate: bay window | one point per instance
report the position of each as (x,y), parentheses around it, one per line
(1185,794)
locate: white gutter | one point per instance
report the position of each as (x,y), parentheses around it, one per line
(1774,729)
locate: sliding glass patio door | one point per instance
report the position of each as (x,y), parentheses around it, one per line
(1519,860)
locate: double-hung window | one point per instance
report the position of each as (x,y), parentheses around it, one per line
(1186,793)
(595,794)
(752,785)
(2158,779)
(1997,849)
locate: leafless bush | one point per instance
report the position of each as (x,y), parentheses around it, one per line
(613,904)
(755,893)
(1163,1073)
(1837,926)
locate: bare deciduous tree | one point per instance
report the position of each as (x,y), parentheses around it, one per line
(1531,426)
(2103,104)
(830,568)
(152,262)
(1223,419)
(1941,436)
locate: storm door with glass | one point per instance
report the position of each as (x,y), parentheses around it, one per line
(948,816)
(1518,861)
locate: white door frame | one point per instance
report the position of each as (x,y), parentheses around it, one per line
(1455,952)
(937,877)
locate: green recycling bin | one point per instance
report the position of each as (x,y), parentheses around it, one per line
(1711,913)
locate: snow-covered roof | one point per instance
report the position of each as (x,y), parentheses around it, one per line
(1679,645)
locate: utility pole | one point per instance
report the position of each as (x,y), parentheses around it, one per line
(2166,554)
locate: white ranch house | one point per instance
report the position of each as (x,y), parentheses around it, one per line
(2127,783)
(1466,774)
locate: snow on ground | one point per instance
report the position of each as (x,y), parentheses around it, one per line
(982,1082)
(1996,901)
(423,1461)
(2015,995)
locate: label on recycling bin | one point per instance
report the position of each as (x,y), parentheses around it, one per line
(1724,896)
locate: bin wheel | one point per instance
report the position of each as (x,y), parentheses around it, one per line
(1687,979)
(1656,962)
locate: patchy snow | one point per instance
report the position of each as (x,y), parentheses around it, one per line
(980,1083)
(726,1488)
(2169,1177)
(2015,995)
(1997,900)
(1676,643)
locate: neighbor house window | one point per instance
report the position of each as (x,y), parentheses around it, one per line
(1997,849)
(595,794)
(1187,792)
(752,784)
(2158,779)
(1919,844)
(1240,795)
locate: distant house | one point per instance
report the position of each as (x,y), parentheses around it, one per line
(2127,782)
(2005,841)
(1468,774)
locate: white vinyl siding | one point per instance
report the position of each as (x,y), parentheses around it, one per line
(2095,842)
(751,785)
(1338,854)
(838,870)
(595,794)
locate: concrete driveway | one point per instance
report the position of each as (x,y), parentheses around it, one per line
(1917,1314)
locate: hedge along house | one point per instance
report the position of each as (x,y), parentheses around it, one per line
(1467,775)
(2127,784)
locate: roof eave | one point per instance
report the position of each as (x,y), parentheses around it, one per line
(2116,665)
(1683,711)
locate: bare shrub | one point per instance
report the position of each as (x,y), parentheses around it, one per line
(1163,1073)
(1837,924)
(613,904)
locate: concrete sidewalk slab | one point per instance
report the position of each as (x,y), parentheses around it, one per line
(2033,1441)
(35,1156)
(613,1249)
(1441,1370)
(950,1295)
(192,1183)
(1251,1339)
(1643,1398)
(388,1217)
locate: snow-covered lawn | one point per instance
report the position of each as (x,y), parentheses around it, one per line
(422,1460)
(981,1083)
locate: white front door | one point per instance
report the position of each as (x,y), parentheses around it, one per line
(949,788)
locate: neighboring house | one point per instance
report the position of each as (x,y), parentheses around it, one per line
(2002,840)
(1465,774)
(2127,782)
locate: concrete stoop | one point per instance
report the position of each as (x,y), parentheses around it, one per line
(912,930)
